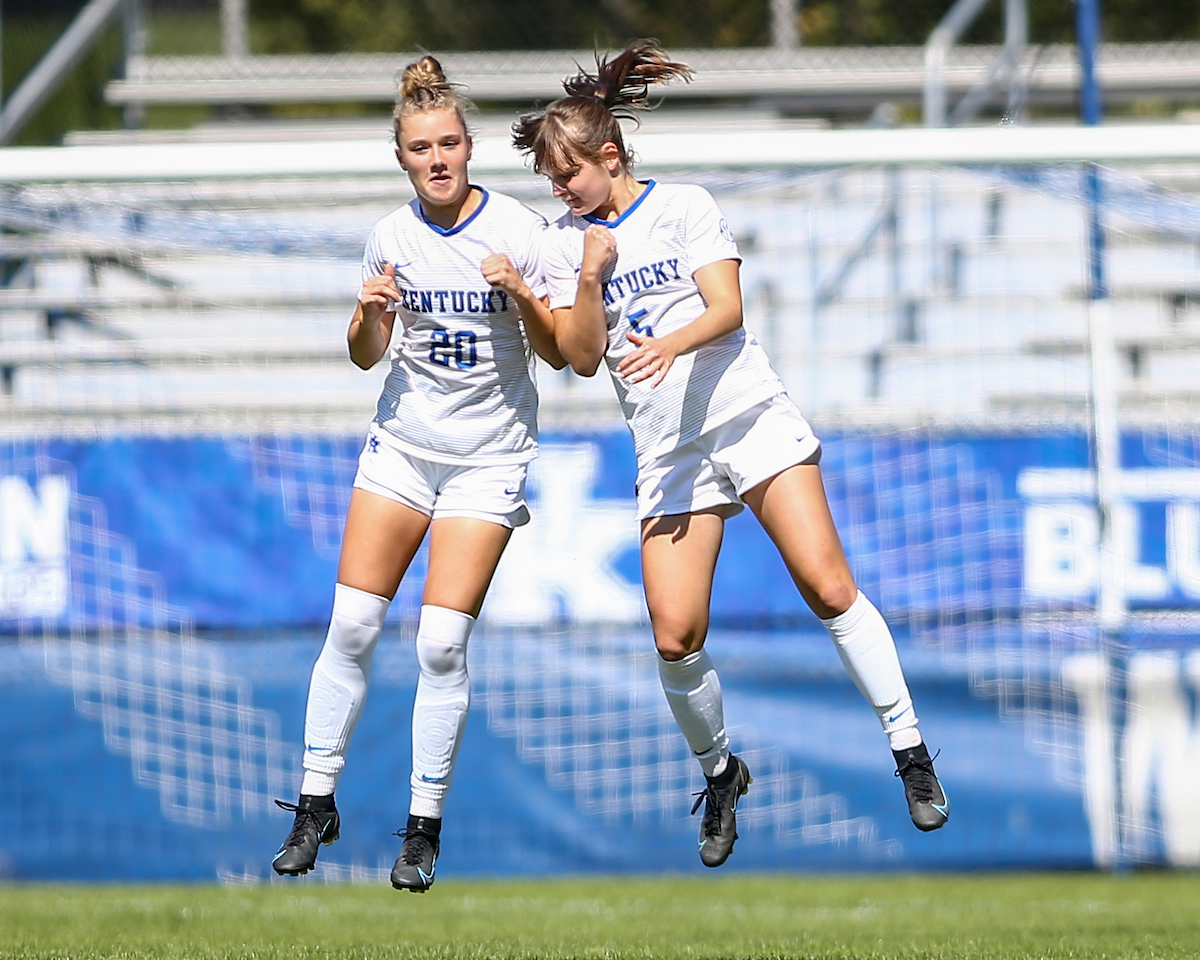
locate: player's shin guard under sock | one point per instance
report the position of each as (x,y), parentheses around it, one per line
(868,653)
(694,696)
(440,707)
(339,685)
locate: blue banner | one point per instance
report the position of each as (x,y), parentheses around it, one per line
(163,601)
(131,762)
(243,534)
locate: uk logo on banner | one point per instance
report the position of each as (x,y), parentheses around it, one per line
(561,567)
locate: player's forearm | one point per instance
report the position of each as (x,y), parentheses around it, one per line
(583,338)
(539,327)
(368,340)
(718,321)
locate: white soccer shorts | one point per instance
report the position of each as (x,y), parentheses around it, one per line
(492,492)
(717,468)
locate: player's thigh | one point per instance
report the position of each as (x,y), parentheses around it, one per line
(463,554)
(794,511)
(381,538)
(679,557)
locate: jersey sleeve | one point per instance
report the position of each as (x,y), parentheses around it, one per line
(531,266)
(373,263)
(373,259)
(561,275)
(709,237)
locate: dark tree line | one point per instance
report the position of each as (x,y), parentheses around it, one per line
(387,25)
(295,26)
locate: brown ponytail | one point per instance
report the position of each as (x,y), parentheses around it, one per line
(577,126)
(423,86)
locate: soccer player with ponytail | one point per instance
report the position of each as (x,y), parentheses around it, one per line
(452,289)
(644,276)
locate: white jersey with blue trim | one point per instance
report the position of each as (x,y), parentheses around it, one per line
(670,232)
(461,388)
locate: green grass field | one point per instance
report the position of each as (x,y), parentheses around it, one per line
(1005,916)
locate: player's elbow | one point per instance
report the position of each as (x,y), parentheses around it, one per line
(554,359)
(363,359)
(586,366)
(584,357)
(548,350)
(587,360)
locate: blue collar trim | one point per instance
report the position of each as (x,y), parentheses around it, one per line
(457,227)
(650,185)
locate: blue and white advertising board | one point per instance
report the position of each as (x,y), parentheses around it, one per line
(162,601)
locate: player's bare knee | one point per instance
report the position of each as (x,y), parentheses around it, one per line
(832,596)
(677,643)
(672,652)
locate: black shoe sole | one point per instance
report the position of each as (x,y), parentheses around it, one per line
(412,887)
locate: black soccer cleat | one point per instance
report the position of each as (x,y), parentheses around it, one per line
(927,803)
(718,826)
(417,862)
(317,822)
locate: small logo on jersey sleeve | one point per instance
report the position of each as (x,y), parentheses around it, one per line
(726,232)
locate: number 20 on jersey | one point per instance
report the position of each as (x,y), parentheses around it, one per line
(455,347)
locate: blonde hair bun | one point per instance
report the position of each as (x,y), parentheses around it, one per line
(423,86)
(423,79)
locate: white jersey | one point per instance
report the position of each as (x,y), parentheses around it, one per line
(461,388)
(670,232)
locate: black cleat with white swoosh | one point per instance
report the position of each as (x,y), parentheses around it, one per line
(417,862)
(927,803)
(316,822)
(718,826)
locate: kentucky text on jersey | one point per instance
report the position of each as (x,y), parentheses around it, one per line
(453,301)
(641,278)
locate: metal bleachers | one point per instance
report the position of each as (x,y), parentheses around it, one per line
(946,293)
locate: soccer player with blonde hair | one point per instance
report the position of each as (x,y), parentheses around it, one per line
(451,288)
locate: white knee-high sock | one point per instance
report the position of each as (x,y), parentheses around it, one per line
(440,707)
(694,695)
(338,688)
(868,653)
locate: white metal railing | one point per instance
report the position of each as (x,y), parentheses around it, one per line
(748,150)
